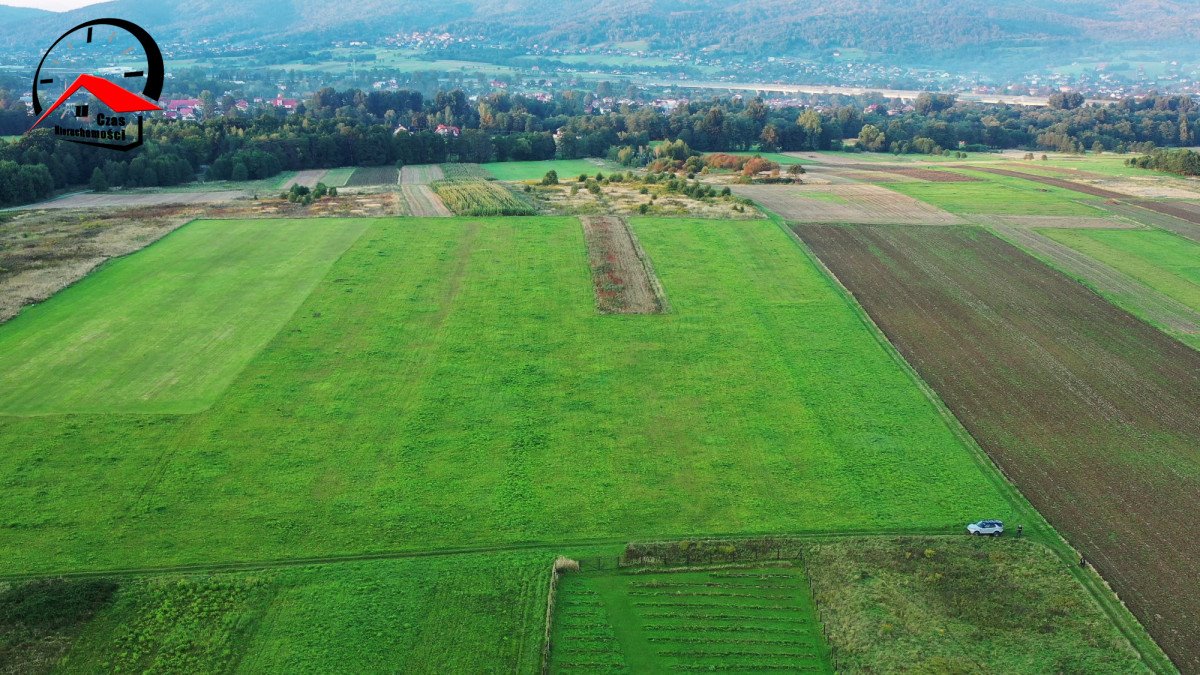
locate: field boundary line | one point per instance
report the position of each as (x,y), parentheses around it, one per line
(270,563)
(1118,612)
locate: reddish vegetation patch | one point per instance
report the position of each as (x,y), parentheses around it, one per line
(1090,412)
(624,280)
(930,175)
(1056,182)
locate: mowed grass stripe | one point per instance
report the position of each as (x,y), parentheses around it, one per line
(167,329)
(1163,261)
(449,383)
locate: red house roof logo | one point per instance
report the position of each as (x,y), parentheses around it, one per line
(98,41)
(117,99)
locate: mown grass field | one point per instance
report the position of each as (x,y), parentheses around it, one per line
(465,613)
(1163,261)
(167,329)
(1001,195)
(741,620)
(761,403)
(338,177)
(568,169)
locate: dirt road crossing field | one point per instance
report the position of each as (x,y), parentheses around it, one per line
(420,200)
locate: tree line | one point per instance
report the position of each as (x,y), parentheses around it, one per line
(356,128)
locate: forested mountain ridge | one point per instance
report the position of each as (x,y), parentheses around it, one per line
(749,26)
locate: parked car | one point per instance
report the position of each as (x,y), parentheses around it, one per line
(993,528)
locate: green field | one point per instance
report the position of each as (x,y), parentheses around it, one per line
(741,620)
(568,169)
(166,330)
(465,613)
(338,177)
(1161,260)
(1000,195)
(941,605)
(761,403)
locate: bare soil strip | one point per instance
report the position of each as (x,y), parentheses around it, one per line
(1154,218)
(930,175)
(90,200)
(1126,291)
(869,204)
(1056,182)
(1180,210)
(1056,222)
(308,179)
(421,200)
(1088,410)
(624,279)
(421,174)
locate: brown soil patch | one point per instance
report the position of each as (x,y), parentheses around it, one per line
(871,204)
(930,175)
(1180,210)
(100,200)
(1155,218)
(1057,222)
(1077,173)
(1089,411)
(623,277)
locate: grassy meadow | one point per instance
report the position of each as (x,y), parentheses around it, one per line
(938,605)
(568,169)
(741,620)
(1161,260)
(464,613)
(167,329)
(1000,195)
(761,403)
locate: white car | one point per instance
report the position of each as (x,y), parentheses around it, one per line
(993,528)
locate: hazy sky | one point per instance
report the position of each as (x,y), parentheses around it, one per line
(55,5)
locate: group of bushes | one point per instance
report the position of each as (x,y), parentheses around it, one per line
(302,194)
(1182,162)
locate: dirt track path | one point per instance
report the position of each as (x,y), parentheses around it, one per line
(421,200)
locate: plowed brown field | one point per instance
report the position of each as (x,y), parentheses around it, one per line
(1092,413)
